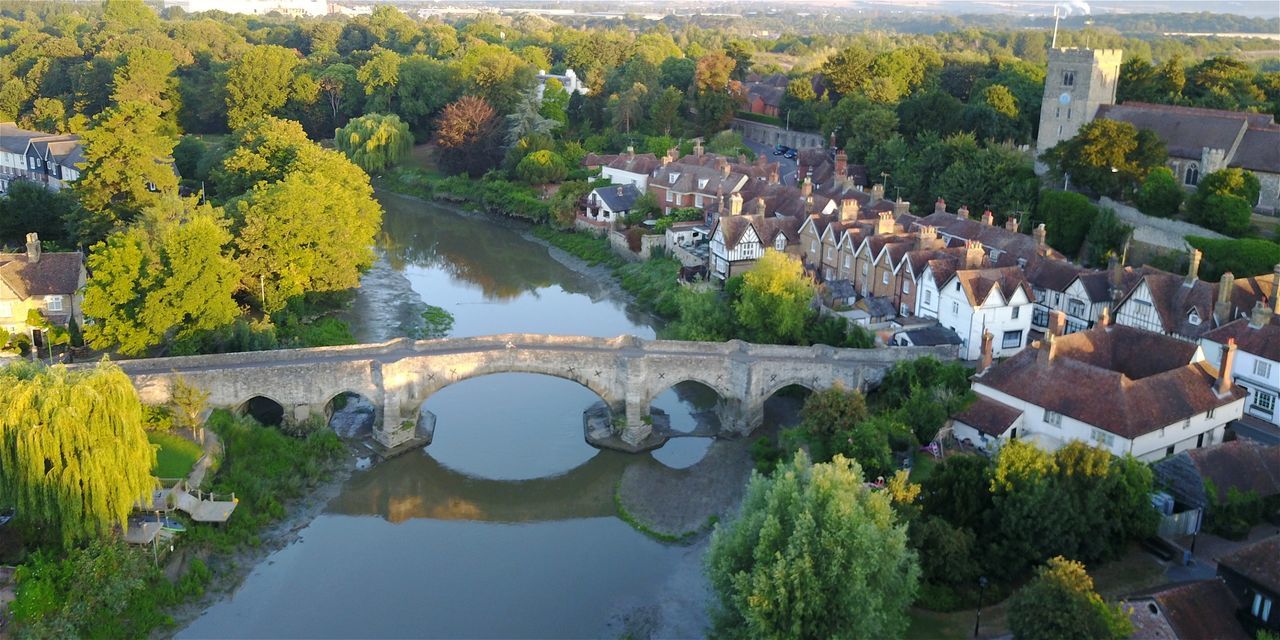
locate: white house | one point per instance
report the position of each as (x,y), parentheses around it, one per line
(738,241)
(1123,389)
(1257,366)
(971,300)
(631,168)
(49,159)
(570,81)
(607,204)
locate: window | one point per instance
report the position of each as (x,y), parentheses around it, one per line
(1192,177)
(828,253)
(955,307)
(1013,313)
(957,285)
(1261,607)
(1068,113)
(1053,417)
(864,268)
(1012,340)
(780,243)
(847,261)
(884,278)
(813,246)
(1075,308)
(1193,317)
(1142,309)
(903,309)
(1262,368)
(1102,437)
(1209,414)
(1186,424)
(53,303)
(928,296)
(1263,401)
(906,286)
(1068,78)
(671,196)
(1039,295)
(1040,317)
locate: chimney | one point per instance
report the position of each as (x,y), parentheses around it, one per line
(760,206)
(901,207)
(984,362)
(33,248)
(697,147)
(1261,316)
(962,213)
(808,205)
(1104,318)
(1011,224)
(674,152)
(1047,350)
(842,164)
(1224,370)
(619,192)
(631,152)
(848,210)
(926,237)
(884,225)
(1040,234)
(773,173)
(1193,269)
(666,159)
(940,206)
(735,204)
(806,187)
(1275,290)
(988,218)
(1115,278)
(1222,308)
(877,192)
(973,254)
(723,165)
(1057,322)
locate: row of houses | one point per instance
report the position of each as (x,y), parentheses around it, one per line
(50,159)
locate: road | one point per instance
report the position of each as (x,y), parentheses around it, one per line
(786,168)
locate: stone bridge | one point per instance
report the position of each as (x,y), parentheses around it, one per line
(626,372)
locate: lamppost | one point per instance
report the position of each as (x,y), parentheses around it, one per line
(977,621)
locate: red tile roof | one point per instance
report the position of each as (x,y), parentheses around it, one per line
(1258,562)
(989,416)
(52,274)
(1200,610)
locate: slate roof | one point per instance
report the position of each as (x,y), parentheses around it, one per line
(1244,464)
(1263,341)
(1251,140)
(1055,275)
(993,237)
(65,148)
(1200,610)
(618,198)
(932,336)
(1127,381)
(1259,562)
(977,284)
(1259,151)
(53,274)
(1173,301)
(987,415)
(768,94)
(694,178)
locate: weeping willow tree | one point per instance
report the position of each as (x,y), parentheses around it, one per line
(374,141)
(73,455)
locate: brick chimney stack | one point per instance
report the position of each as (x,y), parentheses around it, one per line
(1104,318)
(877,192)
(962,213)
(940,206)
(926,237)
(1040,235)
(1224,370)
(1011,224)
(735,204)
(773,173)
(806,187)
(761,207)
(1115,278)
(1222,308)
(984,362)
(1047,350)
(848,210)
(884,225)
(901,207)
(631,152)
(973,254)
(988,218)
(1275,290)
(697,147)
(842,164)
(33,248)
(1057,322)
(1193,269)
(1261,316)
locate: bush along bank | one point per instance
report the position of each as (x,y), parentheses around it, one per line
(489,194)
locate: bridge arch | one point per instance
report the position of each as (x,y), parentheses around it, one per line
(718,386)
(264,408)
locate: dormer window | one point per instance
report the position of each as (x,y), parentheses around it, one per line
(780,243)
(671,179)
(1193,317)
(702,184)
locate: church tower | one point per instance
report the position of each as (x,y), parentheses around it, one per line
(1077,83)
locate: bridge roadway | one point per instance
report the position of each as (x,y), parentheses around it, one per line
(626,372)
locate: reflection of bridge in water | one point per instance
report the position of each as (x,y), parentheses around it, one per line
(419,486)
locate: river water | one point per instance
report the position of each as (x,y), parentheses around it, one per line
(505,526)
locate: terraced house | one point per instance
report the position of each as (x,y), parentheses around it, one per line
(50,284)
(49,159)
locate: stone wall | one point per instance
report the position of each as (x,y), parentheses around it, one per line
(1159,232)
(618,240)
(773,135)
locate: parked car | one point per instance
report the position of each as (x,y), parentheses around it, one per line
(780,150)
(790,154)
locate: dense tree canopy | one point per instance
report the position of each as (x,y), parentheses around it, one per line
(812,554)
(375,141)
(73,456)
(1060,604)
(775,299)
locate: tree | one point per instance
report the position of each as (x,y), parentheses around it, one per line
(146,75)
(264,150)
(1223,201)
(526,121)
(167,277)
(848,69)
(542,167)
(1160,194)
(773,306)
(374,141)
(1061,604)
(555,102)
(425,87)
(712,72)
(341,89)
(259,83)
(1106,238)
(1067,218)
(829,419)
(862,124)
(664,112)
(812,554)
(74,458)
(190,402)
(467,134)
(628,107)
(29,207)
(1245,255)
(49,114)
(1107,156)
(677,73)
(379,77)
(127,167)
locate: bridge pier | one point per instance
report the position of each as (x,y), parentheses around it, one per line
(738,418)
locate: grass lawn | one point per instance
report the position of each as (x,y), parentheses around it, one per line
(176,455)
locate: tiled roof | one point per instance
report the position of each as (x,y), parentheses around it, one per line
(1259,151)
(643,163)
(1124,380)
(1243,464)
(52,274)
(978,283)
(1200,610)
(1055,275)
(987,415)
(1263,341)
(768,94)
(1259,562)
(767,228)
(1186,131)
(991,236)
(1173,300)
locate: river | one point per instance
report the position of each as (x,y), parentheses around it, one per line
(505,526)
